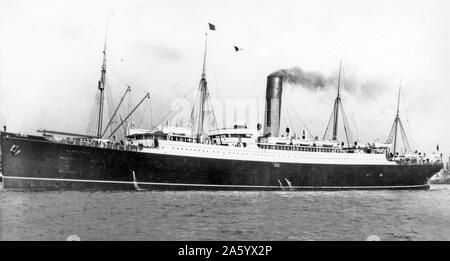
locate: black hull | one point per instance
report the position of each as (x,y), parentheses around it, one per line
(42,164)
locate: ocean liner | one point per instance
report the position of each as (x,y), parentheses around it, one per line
(193,158)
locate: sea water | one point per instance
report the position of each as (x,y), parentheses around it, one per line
(226,215)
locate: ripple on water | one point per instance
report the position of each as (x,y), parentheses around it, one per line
(225,215)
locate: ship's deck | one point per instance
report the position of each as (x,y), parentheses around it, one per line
(263,146)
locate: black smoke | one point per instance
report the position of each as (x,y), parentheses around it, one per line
(350,83)
(297,76)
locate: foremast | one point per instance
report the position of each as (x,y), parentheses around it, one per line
(101,87)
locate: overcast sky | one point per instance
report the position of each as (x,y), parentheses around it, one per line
(51,51)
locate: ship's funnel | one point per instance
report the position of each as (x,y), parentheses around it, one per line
(273,105)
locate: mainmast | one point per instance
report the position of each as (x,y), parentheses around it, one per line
(101,87)
(203,93)
(336,106)
(331,131)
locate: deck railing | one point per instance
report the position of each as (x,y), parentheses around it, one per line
(98,144)
(315,149)
(129,147)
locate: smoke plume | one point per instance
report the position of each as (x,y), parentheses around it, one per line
(297,76)
(366,88)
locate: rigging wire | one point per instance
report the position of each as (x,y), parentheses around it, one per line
(395,128)
(170,111)
(407,147)
(347,128)
(142,114)
(212,68)
(212,110)
(346,125)
(290,119)
(110,102)
(299,118)
(122,112)
(193,117)
(151,113)
(94,116)
(130,102)
(354,126)
(329,124)
(405,113)
(348,133)
(286,119)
